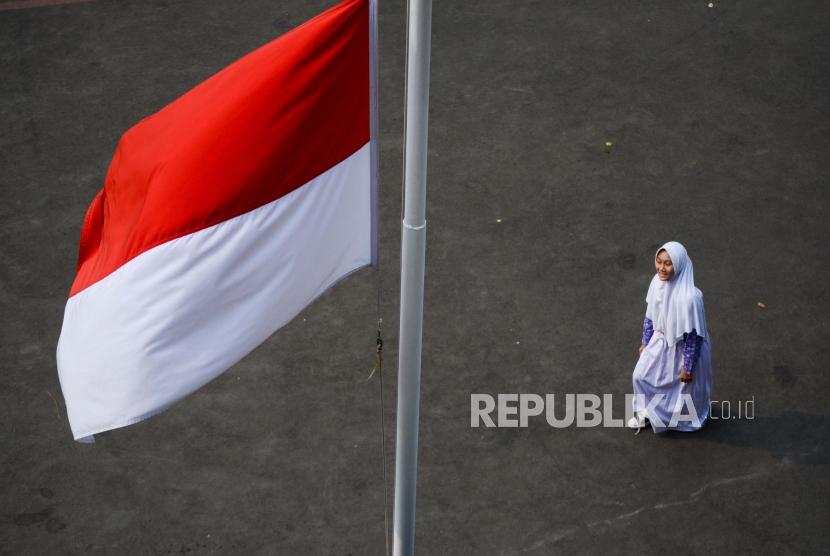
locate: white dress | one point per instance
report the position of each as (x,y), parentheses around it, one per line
(656,379)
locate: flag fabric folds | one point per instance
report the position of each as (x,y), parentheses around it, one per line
(221,217)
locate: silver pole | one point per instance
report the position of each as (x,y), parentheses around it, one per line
(413,247)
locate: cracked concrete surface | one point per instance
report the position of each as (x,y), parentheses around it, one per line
(548,544)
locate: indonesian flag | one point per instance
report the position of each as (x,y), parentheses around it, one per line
(221,217)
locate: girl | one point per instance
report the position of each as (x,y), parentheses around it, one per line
(673,377)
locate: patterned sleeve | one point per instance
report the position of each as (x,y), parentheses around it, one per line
(691,351)
(648,330)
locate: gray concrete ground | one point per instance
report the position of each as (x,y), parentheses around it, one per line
(719,124)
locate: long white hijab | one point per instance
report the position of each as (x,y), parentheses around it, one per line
(675,306)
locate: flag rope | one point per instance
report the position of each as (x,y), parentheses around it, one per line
(378,368)
(375,101)
(379,365)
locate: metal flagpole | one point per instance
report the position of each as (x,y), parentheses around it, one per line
(413,247)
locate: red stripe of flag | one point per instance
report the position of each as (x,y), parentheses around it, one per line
(250,134)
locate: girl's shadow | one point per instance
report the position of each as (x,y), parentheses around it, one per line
(801,437)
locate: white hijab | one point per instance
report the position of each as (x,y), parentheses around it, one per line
(676,306)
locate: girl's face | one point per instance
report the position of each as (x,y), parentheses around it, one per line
(665,270)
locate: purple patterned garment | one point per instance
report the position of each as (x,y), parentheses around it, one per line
(648,331)
(691,345)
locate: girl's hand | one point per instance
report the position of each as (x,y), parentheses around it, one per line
(685,377)
(642,347)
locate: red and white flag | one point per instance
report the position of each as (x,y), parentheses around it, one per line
(221,217)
